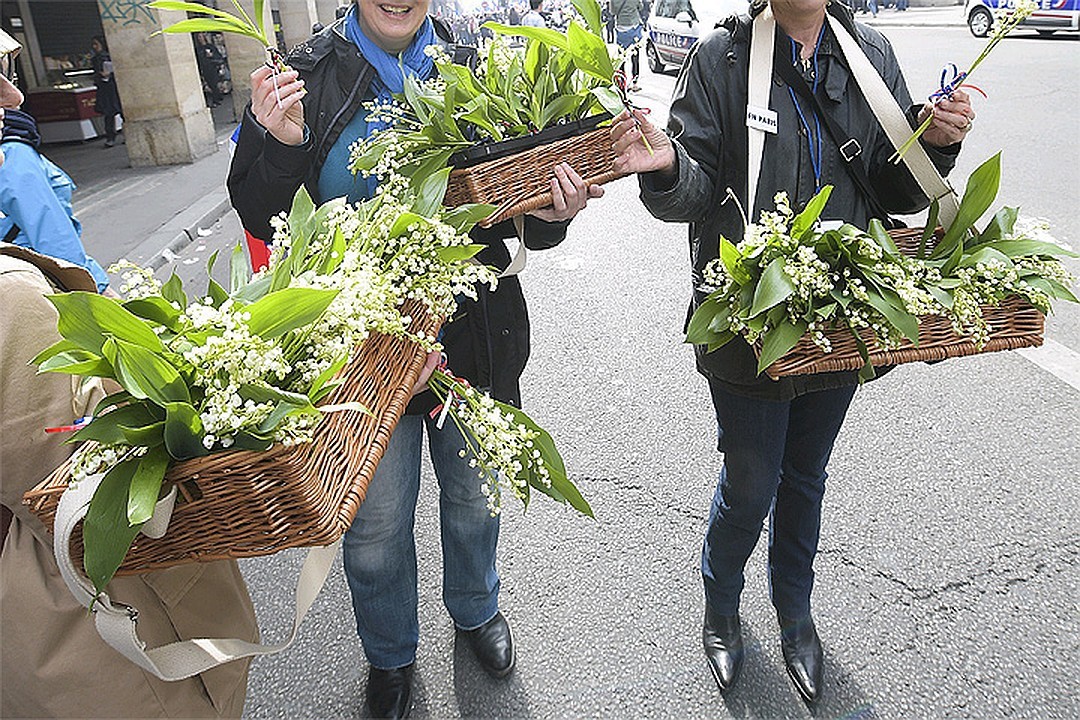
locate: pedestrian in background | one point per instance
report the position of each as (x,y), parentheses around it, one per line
(776,436)
(107,100)
(211,63)
(628,32)
(297,131)
(533,18)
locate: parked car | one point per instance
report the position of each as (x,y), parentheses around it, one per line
(1052,15)
(675,26)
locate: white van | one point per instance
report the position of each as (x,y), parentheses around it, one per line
(1052,15)
(675,25)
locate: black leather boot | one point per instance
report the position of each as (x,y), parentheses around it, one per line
(493,645)
(803,656)
(722,637)
(389,692)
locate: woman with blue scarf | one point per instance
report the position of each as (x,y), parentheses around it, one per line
(305,139)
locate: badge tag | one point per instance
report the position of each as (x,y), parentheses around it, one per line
(762,119)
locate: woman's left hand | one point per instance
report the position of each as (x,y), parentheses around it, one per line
(569,195)
(952,119)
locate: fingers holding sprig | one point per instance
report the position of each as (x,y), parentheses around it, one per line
(953,118)
(569,195)
(639,145)
(276,103)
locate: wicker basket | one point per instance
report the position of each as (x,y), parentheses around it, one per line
(1013,324)
(519,182)
(246,503)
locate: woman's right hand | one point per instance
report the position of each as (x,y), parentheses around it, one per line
(280,112)
(631,153)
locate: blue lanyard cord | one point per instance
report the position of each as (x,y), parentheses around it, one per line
(813,139)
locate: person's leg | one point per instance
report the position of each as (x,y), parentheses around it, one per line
(380,553)
(795,525)
(470,534)
(752,436)
(110,129)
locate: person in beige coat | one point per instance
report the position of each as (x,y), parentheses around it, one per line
(52,661)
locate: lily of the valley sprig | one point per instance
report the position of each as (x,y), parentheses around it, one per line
(1006,23)
(221,21)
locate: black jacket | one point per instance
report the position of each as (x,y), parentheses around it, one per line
(487,341)
(708,126)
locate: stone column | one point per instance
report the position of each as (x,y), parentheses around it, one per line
(327,9)
(297,17)
(245,55)
(166,121)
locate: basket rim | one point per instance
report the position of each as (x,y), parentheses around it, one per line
(495,150)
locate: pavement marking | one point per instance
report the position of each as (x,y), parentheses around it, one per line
(1057,359)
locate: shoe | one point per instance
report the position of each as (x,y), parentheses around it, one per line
(493,645)
(109,143)
(803,656)
(389,692)
(722,637)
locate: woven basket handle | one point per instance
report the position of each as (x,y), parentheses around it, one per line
(118,623)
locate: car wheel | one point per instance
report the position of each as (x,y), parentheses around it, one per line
(655,63)
(980,21)
(1045,33)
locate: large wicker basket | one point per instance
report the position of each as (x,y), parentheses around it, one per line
(518,181)
(245,503)
(1013,324)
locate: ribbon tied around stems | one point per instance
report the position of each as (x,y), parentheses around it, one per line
(77,424)
(952,79)
(622,84)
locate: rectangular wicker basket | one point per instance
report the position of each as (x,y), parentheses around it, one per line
(245,503)
(519,181)
(1013,324)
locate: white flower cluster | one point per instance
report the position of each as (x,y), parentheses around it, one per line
(809,273)
(92,458)
(139,282)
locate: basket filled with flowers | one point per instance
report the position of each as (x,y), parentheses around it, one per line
(811,300)
(505,125)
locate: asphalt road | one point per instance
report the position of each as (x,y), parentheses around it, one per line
(947,578)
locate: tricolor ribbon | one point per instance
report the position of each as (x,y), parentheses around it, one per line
(72,427)
(951,81)
(621,83)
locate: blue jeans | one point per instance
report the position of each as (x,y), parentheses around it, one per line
(380,551)
(774,465)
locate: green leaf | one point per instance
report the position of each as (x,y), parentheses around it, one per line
(107,534)
(405,221)
(881,236)
(250,441)
(173,291)
(77,362)
(590,11)
(183,431)
(107,428)
(464,217)
(590,52)
(805,220)
(55,349)
(155,309)
(326,376)
(217,293)
(985,254)
(145,374)
(609,99)
(773,288)
(194,25)
(1059,291)
(431,193)
(287,309)
(238,269)
(1026,248)
(547,36)
(1001,225)
(895,313)
(301,223)
(109,401)
(458,253)
(732,260)
(982,188)
(256,289)
(699,329)
(928,229)
(146,485)
(558,108)
(148,436)
(778,341)
(88,318)
(942,296)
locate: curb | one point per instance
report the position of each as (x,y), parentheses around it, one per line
(167,241)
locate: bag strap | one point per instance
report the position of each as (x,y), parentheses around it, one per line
(762,40)
(849,147)
(12,233)
(117,623)
(892,119)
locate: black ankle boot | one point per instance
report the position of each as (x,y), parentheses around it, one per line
(722,637)
(803,656)
(493,645)
(389,692)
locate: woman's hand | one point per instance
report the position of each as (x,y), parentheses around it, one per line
(569,195)
(952,119)
(430,364)
(280,112)
(631,153)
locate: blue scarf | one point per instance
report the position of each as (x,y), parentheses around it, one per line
(389,67)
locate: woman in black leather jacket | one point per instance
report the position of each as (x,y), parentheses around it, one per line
(304,139)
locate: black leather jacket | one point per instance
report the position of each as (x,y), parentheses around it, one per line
(708,126)
(487,341)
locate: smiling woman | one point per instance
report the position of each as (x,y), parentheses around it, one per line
(392,24)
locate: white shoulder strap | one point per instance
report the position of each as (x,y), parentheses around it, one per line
(762,40)
(118,623)
(891,117)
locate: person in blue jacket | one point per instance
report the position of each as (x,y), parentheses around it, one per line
(35,198)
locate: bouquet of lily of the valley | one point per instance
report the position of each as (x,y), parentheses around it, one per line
(789,280)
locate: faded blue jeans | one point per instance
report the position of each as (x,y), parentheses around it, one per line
(380,551)
(775,455)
